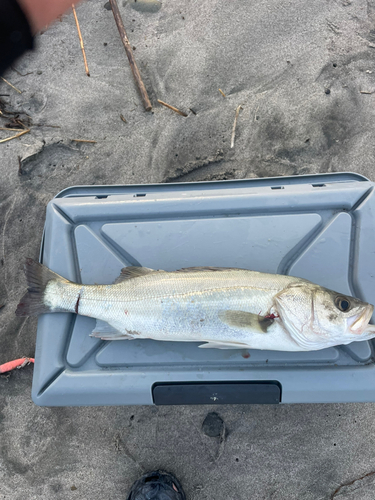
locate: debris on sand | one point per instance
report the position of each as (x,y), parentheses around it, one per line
(81,41)
(176,110)
(129,52)
(16,363)
(234,126)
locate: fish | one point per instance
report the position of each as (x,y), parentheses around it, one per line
(223,308)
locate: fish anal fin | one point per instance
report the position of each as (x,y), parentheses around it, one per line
(223,345)
(105,331)
(246,320)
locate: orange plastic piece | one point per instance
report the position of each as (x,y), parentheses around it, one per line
(16,363)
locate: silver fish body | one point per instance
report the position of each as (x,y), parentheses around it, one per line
(225,308)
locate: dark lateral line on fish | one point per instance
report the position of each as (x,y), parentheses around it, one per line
(77,303)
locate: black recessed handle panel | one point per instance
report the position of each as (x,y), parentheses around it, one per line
(203,393)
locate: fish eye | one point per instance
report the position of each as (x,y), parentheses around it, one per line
(342,303)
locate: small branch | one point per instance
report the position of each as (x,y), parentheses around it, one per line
(234,126)
(222,93)
(350,483)
(129,52)
(172,108)
(83,140)
(15,136)
(10,85)
(81,41)
(19,72)
(365,92)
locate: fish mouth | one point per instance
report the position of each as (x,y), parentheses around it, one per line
(359,322)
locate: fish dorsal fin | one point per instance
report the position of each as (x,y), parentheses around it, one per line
(206,268)
(246,320)
(131,272)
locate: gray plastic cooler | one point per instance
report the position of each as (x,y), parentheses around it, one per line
(316,227)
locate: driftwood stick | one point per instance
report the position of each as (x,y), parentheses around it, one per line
(129,52)
(10,85)
(80,41)
(172,108)
(84,140)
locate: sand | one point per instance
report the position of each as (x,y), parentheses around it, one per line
(304,74)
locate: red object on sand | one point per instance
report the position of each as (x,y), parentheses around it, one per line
(16,363)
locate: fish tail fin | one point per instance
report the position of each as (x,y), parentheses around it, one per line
(37,276)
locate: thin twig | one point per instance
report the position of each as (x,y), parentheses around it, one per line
(222,93)
(123,119)
(234,126)
(19,72)
(13,87)
(15,136)
(129,52)
(81,41)
(11,129)
(172,108)
(350,483)
(20,123)
(365,92)
(84,140)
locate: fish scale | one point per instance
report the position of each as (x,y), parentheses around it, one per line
(170,306)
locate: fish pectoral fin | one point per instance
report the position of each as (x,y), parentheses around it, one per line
(246,320)
(224,345)
(131,272)
(105,331)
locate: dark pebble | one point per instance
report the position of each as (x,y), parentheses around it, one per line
(213,425)
(107,6)
(327,91)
